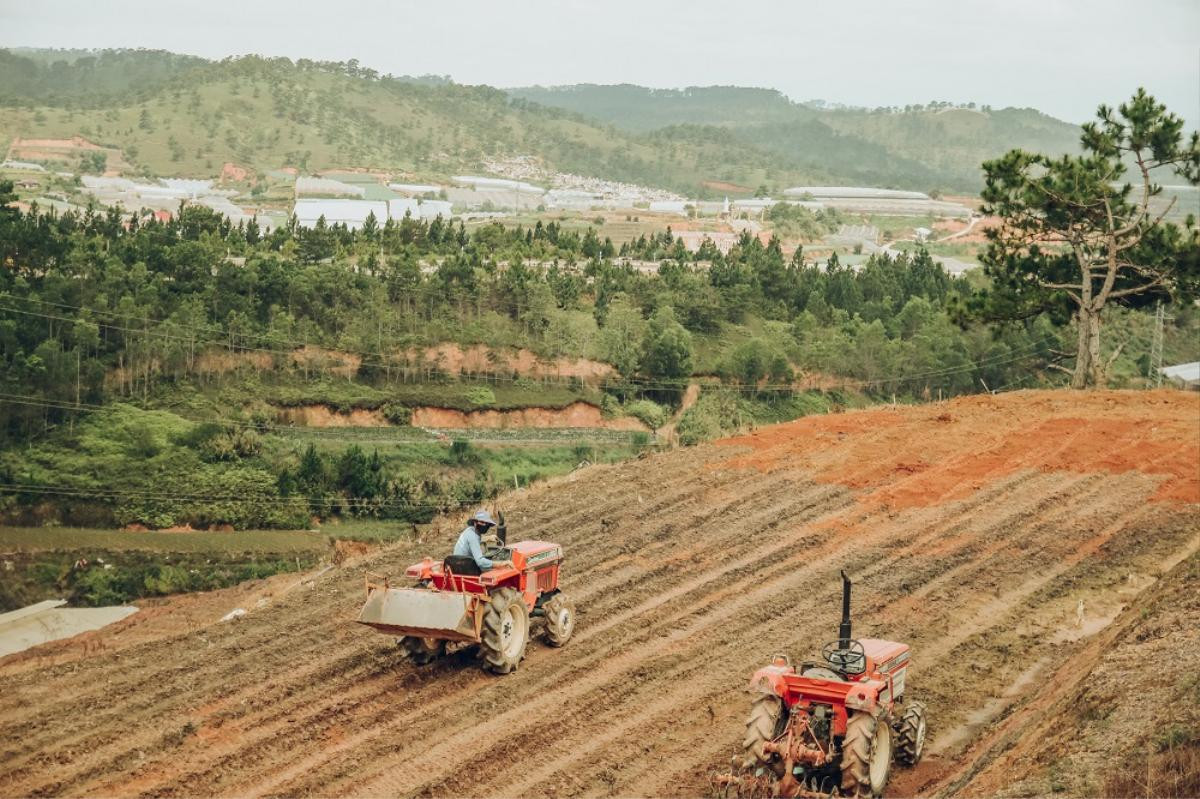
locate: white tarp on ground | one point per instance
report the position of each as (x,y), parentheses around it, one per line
(49,621)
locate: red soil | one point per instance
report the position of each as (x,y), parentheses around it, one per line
(984,439)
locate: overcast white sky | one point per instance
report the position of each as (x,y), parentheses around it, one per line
(1061,57)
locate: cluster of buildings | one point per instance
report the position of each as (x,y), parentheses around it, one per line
(163,197)
(355,213)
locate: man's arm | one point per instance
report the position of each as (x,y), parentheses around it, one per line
(477,552)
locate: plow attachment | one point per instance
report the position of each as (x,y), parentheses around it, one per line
(419,612)
(765,785)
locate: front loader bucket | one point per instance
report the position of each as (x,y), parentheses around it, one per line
(445,615)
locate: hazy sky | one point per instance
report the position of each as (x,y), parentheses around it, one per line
(1061,57)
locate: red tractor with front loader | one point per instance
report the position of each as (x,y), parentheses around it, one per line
(832,727)
(493,609)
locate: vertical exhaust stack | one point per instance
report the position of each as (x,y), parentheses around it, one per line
(844,629)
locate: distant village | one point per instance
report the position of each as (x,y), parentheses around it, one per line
(517,186)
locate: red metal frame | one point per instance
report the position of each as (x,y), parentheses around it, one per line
(539,560)
(886,662)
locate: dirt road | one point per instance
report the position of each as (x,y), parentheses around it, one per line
(995,534)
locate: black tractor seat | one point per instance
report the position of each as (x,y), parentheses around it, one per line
(461,565)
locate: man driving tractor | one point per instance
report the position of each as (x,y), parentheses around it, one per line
(469,546)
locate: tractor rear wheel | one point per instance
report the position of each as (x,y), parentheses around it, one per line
(505,631)
(423,651)
(866,756)
(910,735)
(560,619)
(765,723)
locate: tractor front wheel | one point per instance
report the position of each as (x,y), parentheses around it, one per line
(505,631)
(866,756)
(423,651)
(765,723)
(560,619)
(910,734)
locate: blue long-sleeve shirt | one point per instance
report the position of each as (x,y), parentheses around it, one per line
(468,544)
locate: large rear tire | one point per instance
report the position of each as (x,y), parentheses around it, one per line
(505,631)
(422,651)
(765,723)
(910,735)
(866,756)
(560,619)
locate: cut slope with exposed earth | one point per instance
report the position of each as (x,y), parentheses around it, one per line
(1000,536)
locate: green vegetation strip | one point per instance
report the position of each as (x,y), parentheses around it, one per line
(40,539)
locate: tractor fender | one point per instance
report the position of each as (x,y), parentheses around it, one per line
(769,680)
(863,697)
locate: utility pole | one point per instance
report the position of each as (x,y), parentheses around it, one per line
(1156,345)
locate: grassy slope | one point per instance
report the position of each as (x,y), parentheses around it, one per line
(268,114)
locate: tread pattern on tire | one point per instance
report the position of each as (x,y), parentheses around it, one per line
(414,647)
(491,645)
(556,633)
(856,755)
(907,729)
(763,724)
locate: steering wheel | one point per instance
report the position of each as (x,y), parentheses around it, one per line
(848,659)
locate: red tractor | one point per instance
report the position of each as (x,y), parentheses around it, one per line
(829,728)
(493,609)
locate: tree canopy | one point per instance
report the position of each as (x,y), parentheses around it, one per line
(1080,233)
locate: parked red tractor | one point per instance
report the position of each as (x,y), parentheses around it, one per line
(493,609)
(829,728)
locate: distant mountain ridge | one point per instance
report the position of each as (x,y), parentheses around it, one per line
(182,115)
(926,146)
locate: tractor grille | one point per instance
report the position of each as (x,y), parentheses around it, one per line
(547,578)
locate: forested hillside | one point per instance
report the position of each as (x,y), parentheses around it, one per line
(264,114)
(179,115)
(169,354)
(938,146)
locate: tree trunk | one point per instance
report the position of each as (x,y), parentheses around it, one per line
(1090,369)
(1096,363)
(1079,377)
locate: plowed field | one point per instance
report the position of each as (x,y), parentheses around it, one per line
(1000,536)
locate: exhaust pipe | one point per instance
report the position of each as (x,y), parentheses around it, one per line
(844,629)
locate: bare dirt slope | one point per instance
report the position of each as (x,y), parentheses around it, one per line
(974,529)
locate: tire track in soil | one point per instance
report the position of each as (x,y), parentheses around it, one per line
(642,724)
(555,664)
(314,635)
(822,491)
(787,569)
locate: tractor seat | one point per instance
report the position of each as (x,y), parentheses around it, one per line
(461,565)
(821,673)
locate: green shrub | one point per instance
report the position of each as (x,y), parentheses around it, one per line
(397,414)
(650,413)
(481,395)
(462,453)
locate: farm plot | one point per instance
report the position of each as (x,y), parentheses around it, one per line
(998,535)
